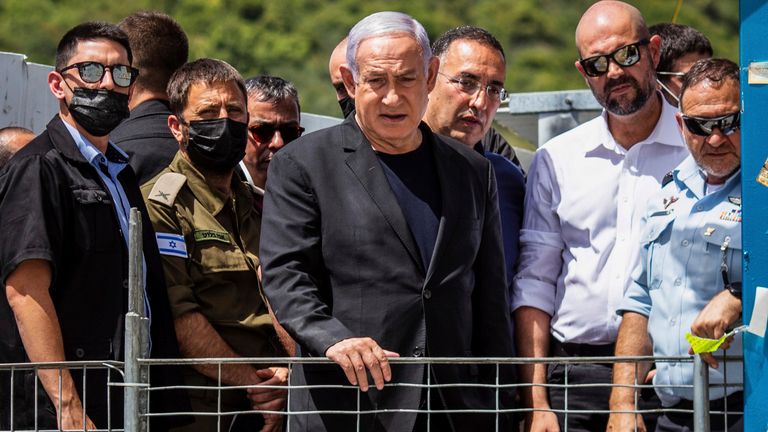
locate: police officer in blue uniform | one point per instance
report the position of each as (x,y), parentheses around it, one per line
(691,253)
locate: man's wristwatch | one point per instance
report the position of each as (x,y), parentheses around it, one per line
(735,289)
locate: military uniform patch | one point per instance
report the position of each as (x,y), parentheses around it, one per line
(171,244)
(204,235)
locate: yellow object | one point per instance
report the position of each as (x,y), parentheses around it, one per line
(705,345)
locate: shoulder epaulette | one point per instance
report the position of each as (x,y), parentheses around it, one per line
(167,187)
(667,178)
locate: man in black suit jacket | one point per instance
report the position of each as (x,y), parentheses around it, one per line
(382,239)
(159,47)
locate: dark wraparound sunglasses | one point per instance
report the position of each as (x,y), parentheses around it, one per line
(266,131)
(625,56)
(727,124)
(92,72)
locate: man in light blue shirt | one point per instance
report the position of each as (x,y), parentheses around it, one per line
(691,240)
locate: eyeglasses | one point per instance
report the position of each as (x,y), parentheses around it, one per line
(92,72)
(470,86)
(625,56)
(266,131)
(728,124)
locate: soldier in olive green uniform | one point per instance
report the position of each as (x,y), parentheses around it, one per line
(208,236)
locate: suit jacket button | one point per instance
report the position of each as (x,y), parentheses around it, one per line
(418,352)
(427,294)
(79,353)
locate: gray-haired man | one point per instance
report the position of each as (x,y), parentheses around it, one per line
(379,239)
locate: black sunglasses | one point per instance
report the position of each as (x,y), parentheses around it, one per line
(92,72)
(625,56)
(266,131)
(727,124)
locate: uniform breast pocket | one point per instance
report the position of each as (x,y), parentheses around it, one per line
(723,240)
(655,236)
(96,228)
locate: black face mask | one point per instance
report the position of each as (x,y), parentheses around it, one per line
(217,145)
(98,111)
(347,105)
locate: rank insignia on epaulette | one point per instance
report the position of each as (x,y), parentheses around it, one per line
(668,177)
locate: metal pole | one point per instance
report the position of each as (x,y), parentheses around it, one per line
(700,395)
(136,329)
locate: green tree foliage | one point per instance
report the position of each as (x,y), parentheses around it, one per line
(293,38)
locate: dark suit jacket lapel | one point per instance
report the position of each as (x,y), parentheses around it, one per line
(366,167)
(446,174)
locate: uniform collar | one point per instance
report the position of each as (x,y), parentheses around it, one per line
(690,176)
(213,200)
(666,131)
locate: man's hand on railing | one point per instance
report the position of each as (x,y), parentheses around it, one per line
(713,321)
(71,416)
(354,355)
(541,421)
(625,422)
(270,399)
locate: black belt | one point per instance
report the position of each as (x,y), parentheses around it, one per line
(568,349)
(735,402)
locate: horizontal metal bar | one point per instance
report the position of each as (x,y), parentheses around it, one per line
(425,360)
(552,101)
(88,364)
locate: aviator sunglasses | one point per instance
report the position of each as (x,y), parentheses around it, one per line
(266,131)
(92,72)
(625,56)
(727,124)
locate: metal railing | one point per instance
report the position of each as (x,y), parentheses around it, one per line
(138,391)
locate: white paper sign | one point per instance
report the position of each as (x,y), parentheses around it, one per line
(757,73)
(759,313)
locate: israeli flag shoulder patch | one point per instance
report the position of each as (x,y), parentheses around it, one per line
(171,244)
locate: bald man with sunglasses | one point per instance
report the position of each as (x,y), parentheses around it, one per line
(585,195)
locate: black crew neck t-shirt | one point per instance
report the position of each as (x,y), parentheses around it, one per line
(413,179)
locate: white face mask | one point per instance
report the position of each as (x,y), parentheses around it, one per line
(670,92)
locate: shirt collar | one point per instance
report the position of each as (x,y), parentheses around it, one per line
(213,200)
(666,131)
(690,174)
(91,154)
(249,179)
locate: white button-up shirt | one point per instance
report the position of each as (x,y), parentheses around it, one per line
(580,239)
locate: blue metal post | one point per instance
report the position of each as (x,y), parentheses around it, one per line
(754,148)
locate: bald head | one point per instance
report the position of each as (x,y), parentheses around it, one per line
(338,57)
(12,139)
(623,87)
(608,20)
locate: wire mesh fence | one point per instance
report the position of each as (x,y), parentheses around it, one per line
(122,396)
(111,386)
